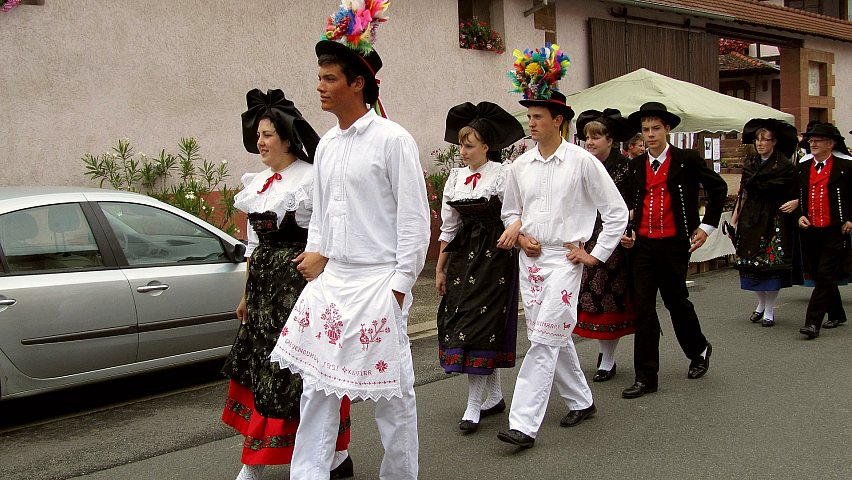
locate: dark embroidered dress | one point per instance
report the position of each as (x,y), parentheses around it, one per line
(478,315)
(263,399)
(605,310)
(764,234)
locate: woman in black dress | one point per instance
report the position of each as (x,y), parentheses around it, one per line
(263,400)
(478,314)
(605,310)
(762,216)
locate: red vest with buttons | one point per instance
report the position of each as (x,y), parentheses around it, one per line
(657,217)
(819,212)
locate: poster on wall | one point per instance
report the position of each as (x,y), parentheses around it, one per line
(708,148)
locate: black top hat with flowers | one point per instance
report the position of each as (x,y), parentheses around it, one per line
(786,136)
(287,119)
(350,34)
(618,127)
(653,109)
(535,75)
(828,130)
(497,127)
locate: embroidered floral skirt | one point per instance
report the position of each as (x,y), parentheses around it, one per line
(605,309)
(263,400)
(770,268)
(270,441)
(478,315)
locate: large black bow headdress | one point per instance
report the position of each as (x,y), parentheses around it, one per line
(288,121)
(497,127)
(619,127)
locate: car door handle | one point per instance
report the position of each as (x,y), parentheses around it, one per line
(8,302)
(151,288)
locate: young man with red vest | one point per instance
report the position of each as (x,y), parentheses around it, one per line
(825,197)
(666,231)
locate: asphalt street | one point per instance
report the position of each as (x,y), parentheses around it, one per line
(773,405)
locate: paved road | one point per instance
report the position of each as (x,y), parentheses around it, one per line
(772,406)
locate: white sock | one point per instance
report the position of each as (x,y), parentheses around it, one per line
(476,385)
(495,392)
(704,353)
(770,297)
(251,472)
(339,457)
(607,349)
(761,302)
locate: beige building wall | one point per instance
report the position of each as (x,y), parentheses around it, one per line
(78,75)
(842,87)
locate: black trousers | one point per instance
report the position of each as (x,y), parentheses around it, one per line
(825,248)
(661,264)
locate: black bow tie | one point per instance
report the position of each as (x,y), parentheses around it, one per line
(819,166)
(655,165)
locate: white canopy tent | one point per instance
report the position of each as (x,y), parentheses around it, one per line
(700,109)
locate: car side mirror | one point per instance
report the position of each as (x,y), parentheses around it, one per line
(237,253)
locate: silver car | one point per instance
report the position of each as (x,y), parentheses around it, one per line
(97,284)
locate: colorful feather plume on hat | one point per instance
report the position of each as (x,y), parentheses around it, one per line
(537,71)
(354,25)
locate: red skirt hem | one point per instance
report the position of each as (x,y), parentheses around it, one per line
(605,326)
(269,441)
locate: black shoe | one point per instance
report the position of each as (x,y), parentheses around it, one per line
(604,375)
(638,389)
(809,331)
(468,426)
(699,366)
(833,323)
(575,417)
(756,317)
(516,437)
(499,408)
(767,322)
(344,470)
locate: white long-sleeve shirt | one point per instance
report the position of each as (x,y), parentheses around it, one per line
(370,202)
(491,182)
(293,193)
(558,198)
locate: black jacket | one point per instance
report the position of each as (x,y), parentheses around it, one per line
(687,173)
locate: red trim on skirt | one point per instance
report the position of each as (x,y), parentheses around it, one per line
(269,441)
(605,326)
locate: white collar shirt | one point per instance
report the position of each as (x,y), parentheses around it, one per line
(558,198)
(661,158)
(370,203)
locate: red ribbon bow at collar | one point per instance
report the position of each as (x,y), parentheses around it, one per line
(275,176)
(473,178)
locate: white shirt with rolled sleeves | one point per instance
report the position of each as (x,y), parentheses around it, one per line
(358,221)
(557,199)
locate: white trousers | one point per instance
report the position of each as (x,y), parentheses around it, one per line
(396,420)
(542,366)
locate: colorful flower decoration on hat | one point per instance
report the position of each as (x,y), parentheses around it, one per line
(537,71)
(354,24)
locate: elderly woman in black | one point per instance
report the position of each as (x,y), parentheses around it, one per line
(764,227)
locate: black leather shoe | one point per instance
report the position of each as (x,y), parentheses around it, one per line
(604,375)
(575,417)
(833,323)
(468,426)
(699,366)
(499,408)
(767,322)
(756,317)
(638,389)
(344,470)
(516,437)
(809,331)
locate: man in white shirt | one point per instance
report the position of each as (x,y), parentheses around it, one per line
(367,243)
(556,189)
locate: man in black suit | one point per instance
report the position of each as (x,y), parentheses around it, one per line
(666,231)
(825,198)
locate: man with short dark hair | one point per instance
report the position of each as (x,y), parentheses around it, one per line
(666,231)
(635,146)
(367,243)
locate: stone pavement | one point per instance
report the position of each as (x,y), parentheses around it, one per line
(773,405)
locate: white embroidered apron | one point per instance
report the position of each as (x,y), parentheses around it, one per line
(343,335)
(550,285)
